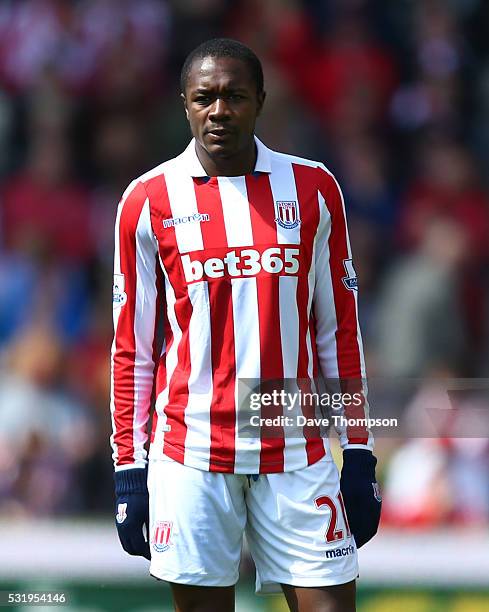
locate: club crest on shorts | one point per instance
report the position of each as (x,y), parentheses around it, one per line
(121,515)
(161,539)
(287,214)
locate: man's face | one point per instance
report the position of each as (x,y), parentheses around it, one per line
(222,104)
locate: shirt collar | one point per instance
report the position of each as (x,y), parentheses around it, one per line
(194,167)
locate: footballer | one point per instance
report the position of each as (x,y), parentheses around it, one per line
(232,261)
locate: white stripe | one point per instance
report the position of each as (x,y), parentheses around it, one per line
(183,203)
(310,357)
(310,285)
(156,448)
(236,211)
(144,318)
(197,412)
(324,303)
(289,324)
(171,364)
(289,334)
(248,366)
(282,182)
(324,298)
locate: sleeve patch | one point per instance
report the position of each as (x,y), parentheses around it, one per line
(350,280)
(119,296)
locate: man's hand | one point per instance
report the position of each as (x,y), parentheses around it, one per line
(361,493)
(132,510)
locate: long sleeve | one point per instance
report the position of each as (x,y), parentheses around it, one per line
(338,338)
(133,355)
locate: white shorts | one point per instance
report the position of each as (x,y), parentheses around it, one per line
(294,524)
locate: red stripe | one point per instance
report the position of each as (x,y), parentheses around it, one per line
(159,360)
(306,188)
(262,209)
(264,228)
(174,441)
(222,411)
(125,342)
(348,350)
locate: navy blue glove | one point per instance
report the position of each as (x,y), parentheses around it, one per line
(361,493)
(132,510)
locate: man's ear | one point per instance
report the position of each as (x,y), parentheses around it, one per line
(182,95)
(261,101)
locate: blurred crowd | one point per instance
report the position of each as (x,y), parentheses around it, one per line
(392,96)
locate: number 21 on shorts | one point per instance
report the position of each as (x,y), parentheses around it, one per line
(333,534)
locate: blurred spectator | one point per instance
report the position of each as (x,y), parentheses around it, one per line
(277,122)
(434,95)
(364,171)
(119,150)
(193,22)
(44,433)
(424,501)
(447,185)
(363,165)
(419,323)
(44,208)
(75,39)
(346,77)
(45,215)
(441,474)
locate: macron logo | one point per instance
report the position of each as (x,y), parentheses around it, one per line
(197,217)
(340,552)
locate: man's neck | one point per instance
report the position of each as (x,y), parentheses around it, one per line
(237,165)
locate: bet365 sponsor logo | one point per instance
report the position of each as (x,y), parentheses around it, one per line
(242,263)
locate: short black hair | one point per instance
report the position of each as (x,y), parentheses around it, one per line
(224,47)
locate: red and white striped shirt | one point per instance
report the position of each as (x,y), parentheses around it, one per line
(249,277)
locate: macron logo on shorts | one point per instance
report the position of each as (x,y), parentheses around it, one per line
(340,552)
